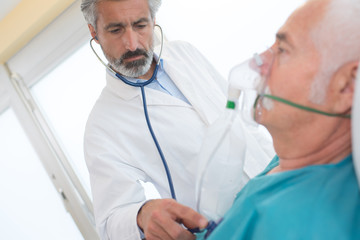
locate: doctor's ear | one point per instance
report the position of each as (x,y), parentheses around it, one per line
(93,33)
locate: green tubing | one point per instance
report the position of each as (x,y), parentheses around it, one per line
(300,107)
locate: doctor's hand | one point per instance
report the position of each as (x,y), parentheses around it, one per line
(162,219)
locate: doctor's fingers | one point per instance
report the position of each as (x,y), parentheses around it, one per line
(167,214)
(182,215)
(155,232)
(188,217)
(169,230)
(158,208)
(165,222)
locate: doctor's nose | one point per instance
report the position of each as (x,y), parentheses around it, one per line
(130,39)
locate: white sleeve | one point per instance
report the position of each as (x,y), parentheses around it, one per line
(116,189)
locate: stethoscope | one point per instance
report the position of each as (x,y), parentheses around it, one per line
(142,85)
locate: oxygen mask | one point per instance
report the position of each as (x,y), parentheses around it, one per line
(250,78)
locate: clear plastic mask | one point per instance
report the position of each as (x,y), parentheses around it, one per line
(250,77)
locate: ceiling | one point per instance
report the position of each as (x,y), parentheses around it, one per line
(7,6)
(21,20)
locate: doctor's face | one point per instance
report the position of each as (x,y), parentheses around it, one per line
(125,33)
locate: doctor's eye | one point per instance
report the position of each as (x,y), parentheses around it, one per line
(116,30)
(140,26)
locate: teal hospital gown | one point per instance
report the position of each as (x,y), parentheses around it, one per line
(315,202)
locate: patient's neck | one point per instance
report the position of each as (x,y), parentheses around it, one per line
(312,148)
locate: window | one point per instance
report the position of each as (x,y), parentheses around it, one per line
(30,207)
(66,96)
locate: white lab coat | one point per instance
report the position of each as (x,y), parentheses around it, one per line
(119,150)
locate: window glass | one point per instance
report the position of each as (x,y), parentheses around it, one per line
(30,207)
(66,96)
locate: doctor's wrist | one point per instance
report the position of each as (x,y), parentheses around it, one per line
(139,217)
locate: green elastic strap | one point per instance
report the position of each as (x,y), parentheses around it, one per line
(300,107)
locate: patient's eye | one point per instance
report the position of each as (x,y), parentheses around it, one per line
(280,50)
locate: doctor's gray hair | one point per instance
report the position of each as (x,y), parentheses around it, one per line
(337,39)
(89,10)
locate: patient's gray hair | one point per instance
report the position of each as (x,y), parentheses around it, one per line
(337,38)
(88,8)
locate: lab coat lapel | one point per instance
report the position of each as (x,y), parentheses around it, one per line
(153,97)
(120,88)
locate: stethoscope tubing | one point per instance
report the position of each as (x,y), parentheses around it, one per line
(166,167)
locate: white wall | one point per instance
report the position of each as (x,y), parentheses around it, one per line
(227,31)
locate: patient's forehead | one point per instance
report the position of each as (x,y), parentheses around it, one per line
(302,21)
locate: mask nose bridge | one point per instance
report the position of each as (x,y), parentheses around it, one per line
(258,60)
(262,63)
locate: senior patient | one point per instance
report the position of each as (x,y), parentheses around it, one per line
(309,190)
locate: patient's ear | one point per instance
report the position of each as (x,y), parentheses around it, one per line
(343,87)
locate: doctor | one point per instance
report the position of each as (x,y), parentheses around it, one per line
(186,96)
